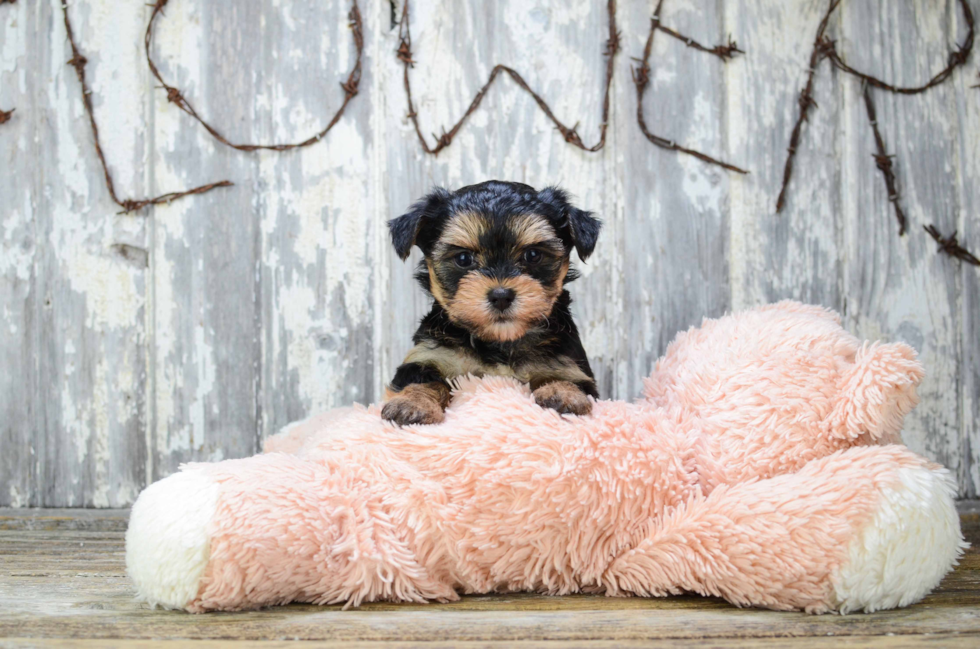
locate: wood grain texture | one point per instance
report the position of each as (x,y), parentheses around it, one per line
(192,331)
(966,166)
(67,583)
(899,288)
(943,641)
(18,249)
(675,232)
(794,254)
(90,355)
(204,324)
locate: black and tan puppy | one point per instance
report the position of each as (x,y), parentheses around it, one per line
(496,263)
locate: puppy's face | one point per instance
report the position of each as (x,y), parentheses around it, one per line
(496,254)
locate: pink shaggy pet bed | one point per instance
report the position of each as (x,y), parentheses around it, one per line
(762,465)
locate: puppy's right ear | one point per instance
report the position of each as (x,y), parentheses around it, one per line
(407,228)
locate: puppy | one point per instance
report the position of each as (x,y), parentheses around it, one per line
(496,263)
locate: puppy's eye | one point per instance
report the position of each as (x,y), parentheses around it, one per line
(464,259)
(532,256)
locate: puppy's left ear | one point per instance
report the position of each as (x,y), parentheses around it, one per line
(409,228)
(582,226)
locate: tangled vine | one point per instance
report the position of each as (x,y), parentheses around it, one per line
(350,86)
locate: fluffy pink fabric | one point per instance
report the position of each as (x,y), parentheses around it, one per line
(744,472)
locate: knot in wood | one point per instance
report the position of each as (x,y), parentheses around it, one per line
(5,115)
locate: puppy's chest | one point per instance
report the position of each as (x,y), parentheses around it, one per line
(523,363)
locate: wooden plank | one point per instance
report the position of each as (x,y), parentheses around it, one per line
(967,166)
(794,254)
(883,642)
(64,519)
(560,53)
(899,288)
(18,250)
(675,241)
(204,324)
(53,586)
(89,440)
(320,214)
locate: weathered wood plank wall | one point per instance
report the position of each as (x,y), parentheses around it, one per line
(132,343)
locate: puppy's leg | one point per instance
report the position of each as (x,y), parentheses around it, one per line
(563,396)
(417,403)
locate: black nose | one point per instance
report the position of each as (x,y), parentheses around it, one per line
(501,298)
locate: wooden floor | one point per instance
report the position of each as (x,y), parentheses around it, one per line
(63,584)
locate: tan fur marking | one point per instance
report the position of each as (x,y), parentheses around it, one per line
(464,231)
(564,397)
(561,368)
(418,403)
(470,308)
(449,362)
(555,291)
(452,363)
(532,229)
(434,286)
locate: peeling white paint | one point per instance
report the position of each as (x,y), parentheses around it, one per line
(315,309)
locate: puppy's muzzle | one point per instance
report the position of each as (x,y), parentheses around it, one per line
(501,298)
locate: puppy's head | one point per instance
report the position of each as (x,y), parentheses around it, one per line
(496,254)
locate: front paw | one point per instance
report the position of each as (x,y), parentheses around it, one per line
(563,396)
(416,404)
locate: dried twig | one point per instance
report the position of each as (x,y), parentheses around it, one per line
(350,86)
(404,54)
(950,246)
(806,101)
(641,79)
(884,161)
(128,204)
